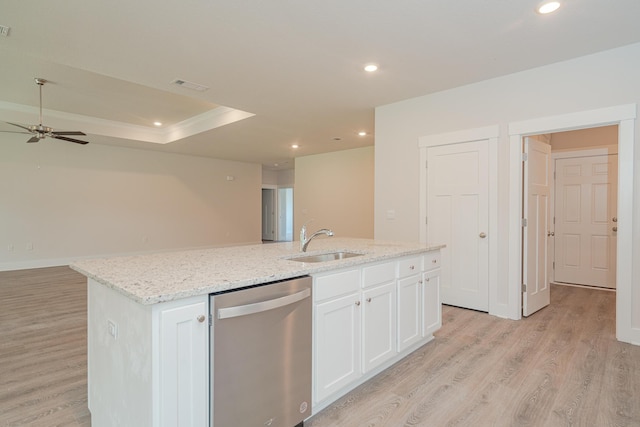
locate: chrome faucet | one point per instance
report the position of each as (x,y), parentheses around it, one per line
(304,242)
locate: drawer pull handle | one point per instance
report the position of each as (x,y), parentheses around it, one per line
(411,267)
(435,261)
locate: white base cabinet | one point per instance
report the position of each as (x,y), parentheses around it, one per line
(367,318)
(148,365)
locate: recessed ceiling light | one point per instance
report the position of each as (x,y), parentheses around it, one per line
(362,133)
(294,146)
(370,68)
(157,123)
(548,7)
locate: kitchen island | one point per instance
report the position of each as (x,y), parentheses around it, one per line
(148,320)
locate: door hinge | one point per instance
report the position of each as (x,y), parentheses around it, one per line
(525,157)
(524,287)
(426,220)
(524,222)
(553,265)
(554,220)
(210,320)
(426,164)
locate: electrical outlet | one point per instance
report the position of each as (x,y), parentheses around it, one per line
(113,328)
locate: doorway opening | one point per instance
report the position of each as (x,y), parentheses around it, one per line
(277,214)
(624,117)
(569,202)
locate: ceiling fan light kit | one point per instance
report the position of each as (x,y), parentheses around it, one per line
(40,131)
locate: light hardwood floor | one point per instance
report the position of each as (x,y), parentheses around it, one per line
(560,367)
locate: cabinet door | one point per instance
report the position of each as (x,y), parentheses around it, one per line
(409,311)
(184,365)
(378,325)
(432,308)
(336,344)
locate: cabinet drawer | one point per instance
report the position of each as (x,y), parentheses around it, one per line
(378,274)
(432,260)
(336,284)
(409,266)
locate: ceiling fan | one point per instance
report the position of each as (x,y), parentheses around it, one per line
(40,132)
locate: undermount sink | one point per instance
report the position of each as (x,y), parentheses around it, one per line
(330,256)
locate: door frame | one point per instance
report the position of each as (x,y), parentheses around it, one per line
(624,116)
(491,134)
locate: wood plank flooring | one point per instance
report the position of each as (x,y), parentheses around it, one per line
(43,348)
(560,367)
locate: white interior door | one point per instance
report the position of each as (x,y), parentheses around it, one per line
(586,224)
(537,174)
(458,216)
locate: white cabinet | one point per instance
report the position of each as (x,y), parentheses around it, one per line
(336,335)
(337,344)
(432,316)
(183,365)
(148,365)
(409,302)
(354,325)
(378,314)
(432,305)
(409,311)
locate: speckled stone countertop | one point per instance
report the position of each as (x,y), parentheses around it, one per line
(155,278)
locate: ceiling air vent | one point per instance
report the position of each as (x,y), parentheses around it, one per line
(4,31)
(189,85)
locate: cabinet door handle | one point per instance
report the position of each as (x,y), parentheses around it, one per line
(434,261)
(483,235)
(201,318)
(427,279)
(357,302)
(550,233)
(369,299)
(411,267)
(614,219)
(615,228)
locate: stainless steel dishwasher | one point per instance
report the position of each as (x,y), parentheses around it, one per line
(261,351)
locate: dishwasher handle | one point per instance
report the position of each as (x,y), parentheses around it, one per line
(258,307)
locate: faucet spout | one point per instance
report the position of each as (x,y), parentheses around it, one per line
(304,241)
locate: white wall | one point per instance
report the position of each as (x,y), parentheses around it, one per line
(336,191)
(67,201)
(597,81)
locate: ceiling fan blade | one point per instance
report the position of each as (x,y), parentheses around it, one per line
(77,141)
(15,131)
(20,126)
(34,139)
(74,132)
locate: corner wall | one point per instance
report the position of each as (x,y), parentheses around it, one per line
(62,201)
(592,82)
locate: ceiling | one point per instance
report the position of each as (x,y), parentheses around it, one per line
(278,72)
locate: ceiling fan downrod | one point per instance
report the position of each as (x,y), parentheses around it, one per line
(40,82)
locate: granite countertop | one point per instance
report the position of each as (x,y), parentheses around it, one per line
(155,278)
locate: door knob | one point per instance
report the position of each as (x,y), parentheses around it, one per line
(201,318)
(615,228)
(483,235)
(551,233)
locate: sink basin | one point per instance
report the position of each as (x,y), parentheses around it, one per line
(330,256)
